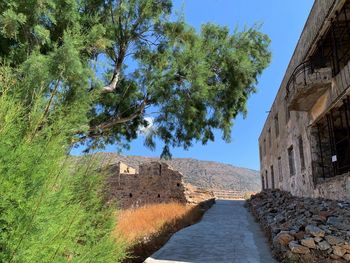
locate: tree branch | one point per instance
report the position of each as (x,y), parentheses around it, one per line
(117,71)
(53,93)
(119,120)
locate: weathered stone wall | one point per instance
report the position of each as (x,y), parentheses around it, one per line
(337,188)
(299,123)
(125,169)
(154,183)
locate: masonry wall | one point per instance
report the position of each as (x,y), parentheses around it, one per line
(126,169)
(293,125)
(155,183)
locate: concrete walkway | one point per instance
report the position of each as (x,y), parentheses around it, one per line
(226,234)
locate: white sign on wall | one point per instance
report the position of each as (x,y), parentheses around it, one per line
(334,158)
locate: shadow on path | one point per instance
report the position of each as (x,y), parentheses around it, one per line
(226,234)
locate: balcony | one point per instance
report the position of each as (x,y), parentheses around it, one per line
(306,85)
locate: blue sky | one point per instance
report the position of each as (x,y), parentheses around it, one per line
(283,21)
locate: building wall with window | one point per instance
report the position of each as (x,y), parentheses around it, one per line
(309,121)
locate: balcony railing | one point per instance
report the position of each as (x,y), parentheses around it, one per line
(306,85)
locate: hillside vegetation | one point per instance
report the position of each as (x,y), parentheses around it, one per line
(205,174)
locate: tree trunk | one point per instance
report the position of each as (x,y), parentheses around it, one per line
(117,71)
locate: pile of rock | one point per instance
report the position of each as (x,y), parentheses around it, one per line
(304,229)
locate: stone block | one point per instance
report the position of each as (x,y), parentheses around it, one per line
(315,231)
(339,251)
(308,242)
(298,249)
(333,240)
(283,238)
(324,245)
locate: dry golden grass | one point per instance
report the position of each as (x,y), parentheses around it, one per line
(135,225)
(148,228)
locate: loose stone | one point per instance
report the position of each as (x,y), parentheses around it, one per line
(308,242)
(283,238)
(318,239)
(347,257)
(323,245)
(339,251)
(315,231)
(332,240)
(298,249)
(304,229)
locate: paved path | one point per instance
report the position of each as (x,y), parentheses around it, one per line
(226,234)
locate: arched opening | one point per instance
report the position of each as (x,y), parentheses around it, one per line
(158,195)
(130,195)
(178,184)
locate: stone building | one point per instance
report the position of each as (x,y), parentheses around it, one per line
(305,141)
(155,182)
(123,168)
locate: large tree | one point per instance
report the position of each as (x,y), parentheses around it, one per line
(55,91)
(51,208)
(189,82)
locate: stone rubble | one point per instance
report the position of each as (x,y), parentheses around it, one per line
(304,229)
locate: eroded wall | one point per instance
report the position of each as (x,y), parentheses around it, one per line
(155,183)
(126,169)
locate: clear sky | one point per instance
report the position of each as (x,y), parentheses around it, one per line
(283,21)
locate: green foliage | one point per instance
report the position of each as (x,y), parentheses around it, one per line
(195,82)
(51,211)
(10,23)
(190,83)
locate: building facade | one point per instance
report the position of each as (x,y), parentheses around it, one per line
(305,142)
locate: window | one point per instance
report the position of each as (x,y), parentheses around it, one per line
(280,175)
(260,153)
(291,161)
(272,178)
(262,181)
(269,131)
(333,137)
(267,180)
(301,153)
(264,147)
(286,111)
(277,127)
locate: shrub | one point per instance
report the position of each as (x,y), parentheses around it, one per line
(49,211)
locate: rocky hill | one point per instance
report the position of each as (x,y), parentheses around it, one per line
(205,174)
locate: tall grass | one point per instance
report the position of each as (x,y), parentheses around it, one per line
(147,228)
(138,224)
(49,210)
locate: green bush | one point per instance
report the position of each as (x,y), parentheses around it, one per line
(50,210)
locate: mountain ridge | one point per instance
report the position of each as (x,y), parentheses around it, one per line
(200,173)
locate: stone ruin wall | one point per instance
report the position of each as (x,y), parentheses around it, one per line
(125,169)
(154,183)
